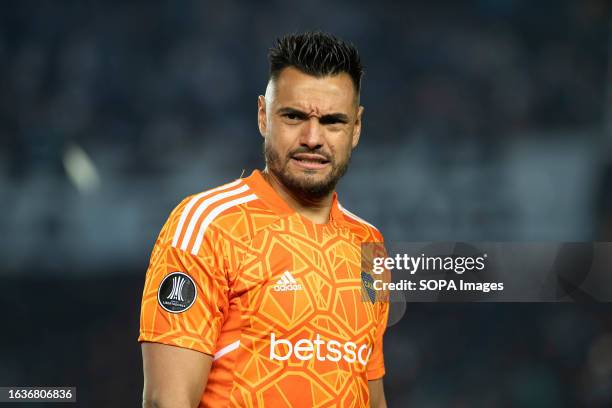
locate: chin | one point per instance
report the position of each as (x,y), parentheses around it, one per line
(311,181)
(314,187)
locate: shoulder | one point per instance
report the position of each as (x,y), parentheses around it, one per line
(370,232)
(227,210)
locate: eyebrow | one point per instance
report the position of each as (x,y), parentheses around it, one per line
(325,119)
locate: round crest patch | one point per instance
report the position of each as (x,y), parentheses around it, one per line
(177,292)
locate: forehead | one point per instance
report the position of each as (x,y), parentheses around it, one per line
(299,90)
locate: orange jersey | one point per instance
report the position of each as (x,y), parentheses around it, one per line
(274,298)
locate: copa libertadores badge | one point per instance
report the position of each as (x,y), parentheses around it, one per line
(177,292)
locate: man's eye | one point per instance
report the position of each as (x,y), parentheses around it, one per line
(331,122)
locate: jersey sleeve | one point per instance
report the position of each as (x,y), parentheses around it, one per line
(185,297)
(376,364)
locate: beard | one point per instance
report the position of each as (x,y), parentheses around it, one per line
(306,185)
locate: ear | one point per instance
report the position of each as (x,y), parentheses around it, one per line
(357,127)
(262,120)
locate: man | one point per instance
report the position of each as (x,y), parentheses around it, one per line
(253,296)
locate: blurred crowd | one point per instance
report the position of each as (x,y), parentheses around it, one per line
(477,106)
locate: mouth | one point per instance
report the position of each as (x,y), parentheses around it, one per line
(310,161)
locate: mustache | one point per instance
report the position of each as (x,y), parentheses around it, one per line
(303,149)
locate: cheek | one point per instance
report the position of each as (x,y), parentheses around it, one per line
(278,141)
(283,136)
(341,148)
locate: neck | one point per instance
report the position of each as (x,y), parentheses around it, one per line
(316,210)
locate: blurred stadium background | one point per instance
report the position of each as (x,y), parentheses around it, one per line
(485,120)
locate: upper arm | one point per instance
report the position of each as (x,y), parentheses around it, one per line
(377,394)
(376,363)
(173,376)
(185,296)
(183,308)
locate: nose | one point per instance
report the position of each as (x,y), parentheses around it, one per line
(312,134)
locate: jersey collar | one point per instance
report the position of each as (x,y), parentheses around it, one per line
(265,192)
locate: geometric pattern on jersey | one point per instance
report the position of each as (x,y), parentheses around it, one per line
(279,299)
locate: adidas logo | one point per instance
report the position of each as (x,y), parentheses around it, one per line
(286,283)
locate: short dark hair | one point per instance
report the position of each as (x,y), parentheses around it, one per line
(316,53)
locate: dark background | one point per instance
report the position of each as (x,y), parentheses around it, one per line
(485,120)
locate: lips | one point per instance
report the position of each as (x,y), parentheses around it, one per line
(310,161)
